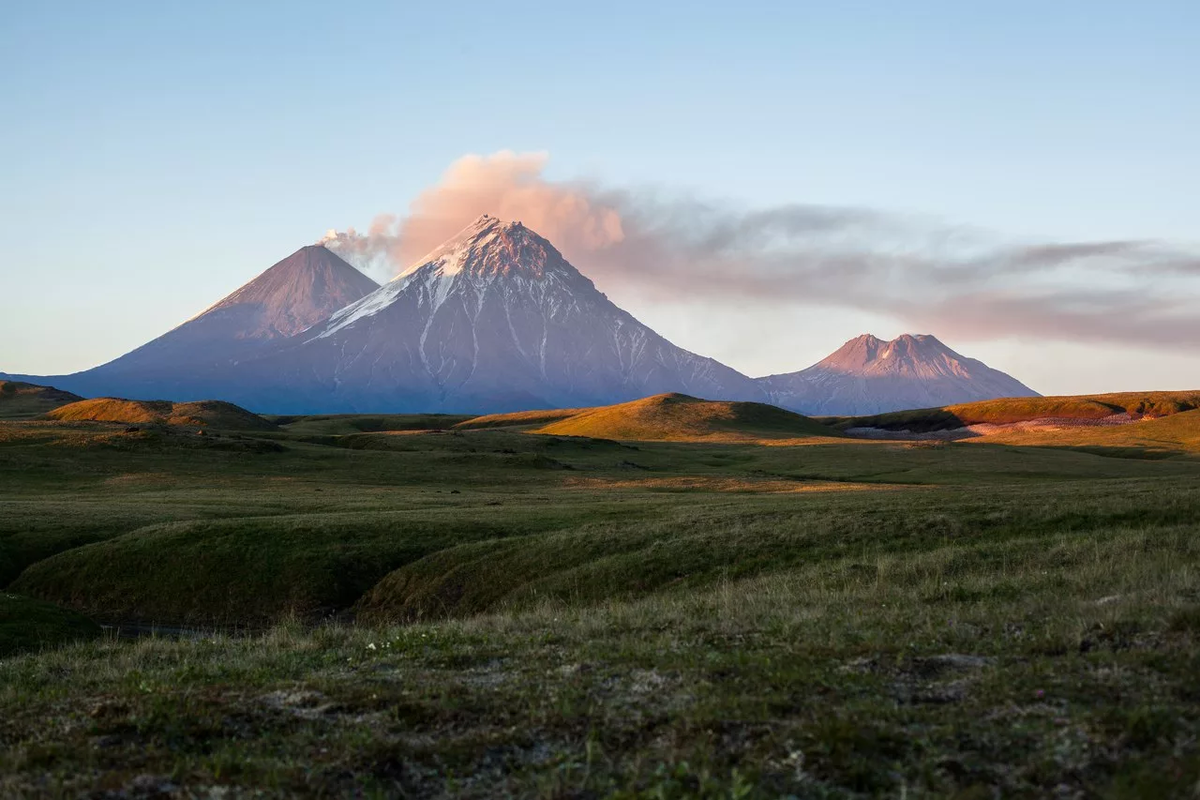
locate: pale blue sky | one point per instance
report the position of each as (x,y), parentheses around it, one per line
(158,155)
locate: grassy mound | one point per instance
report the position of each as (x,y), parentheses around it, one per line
(256,570)
(27,625)
(1024,409)
(1055,666)
(666,417)
(699,546)
(24,400)
(199,414)
(677,417)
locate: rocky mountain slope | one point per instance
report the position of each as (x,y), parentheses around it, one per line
(870,376)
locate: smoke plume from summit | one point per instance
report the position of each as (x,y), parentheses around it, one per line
(965,283)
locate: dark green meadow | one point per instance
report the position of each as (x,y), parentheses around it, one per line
(360,607)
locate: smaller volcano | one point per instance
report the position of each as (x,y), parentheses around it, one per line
(868,375)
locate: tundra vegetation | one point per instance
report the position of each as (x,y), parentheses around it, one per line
(666,599)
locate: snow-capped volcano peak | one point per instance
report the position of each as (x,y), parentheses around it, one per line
(488,256)
(495,318)
(490,245)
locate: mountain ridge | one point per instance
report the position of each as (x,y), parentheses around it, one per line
(494,319)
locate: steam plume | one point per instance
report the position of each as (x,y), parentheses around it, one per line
(961,282)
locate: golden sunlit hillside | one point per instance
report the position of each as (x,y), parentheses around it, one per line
(665,417)
(1007,411)
(202,413)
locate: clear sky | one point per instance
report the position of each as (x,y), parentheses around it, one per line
(158,155)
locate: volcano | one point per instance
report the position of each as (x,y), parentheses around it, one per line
(868,375)
(493,320)
(289,297)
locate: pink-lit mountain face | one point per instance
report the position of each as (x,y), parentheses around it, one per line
(869,376)
(495,319)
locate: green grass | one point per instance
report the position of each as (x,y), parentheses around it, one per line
(339,424)
(29,625)
(520,420)
(253,571)
(1065,665)
(481,612)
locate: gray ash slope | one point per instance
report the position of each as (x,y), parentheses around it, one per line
(191,361)
(870,376)
(493,320)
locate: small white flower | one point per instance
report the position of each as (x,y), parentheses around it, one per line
(371,646)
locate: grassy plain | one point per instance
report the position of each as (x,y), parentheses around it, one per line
(376,610)
(1020,409)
